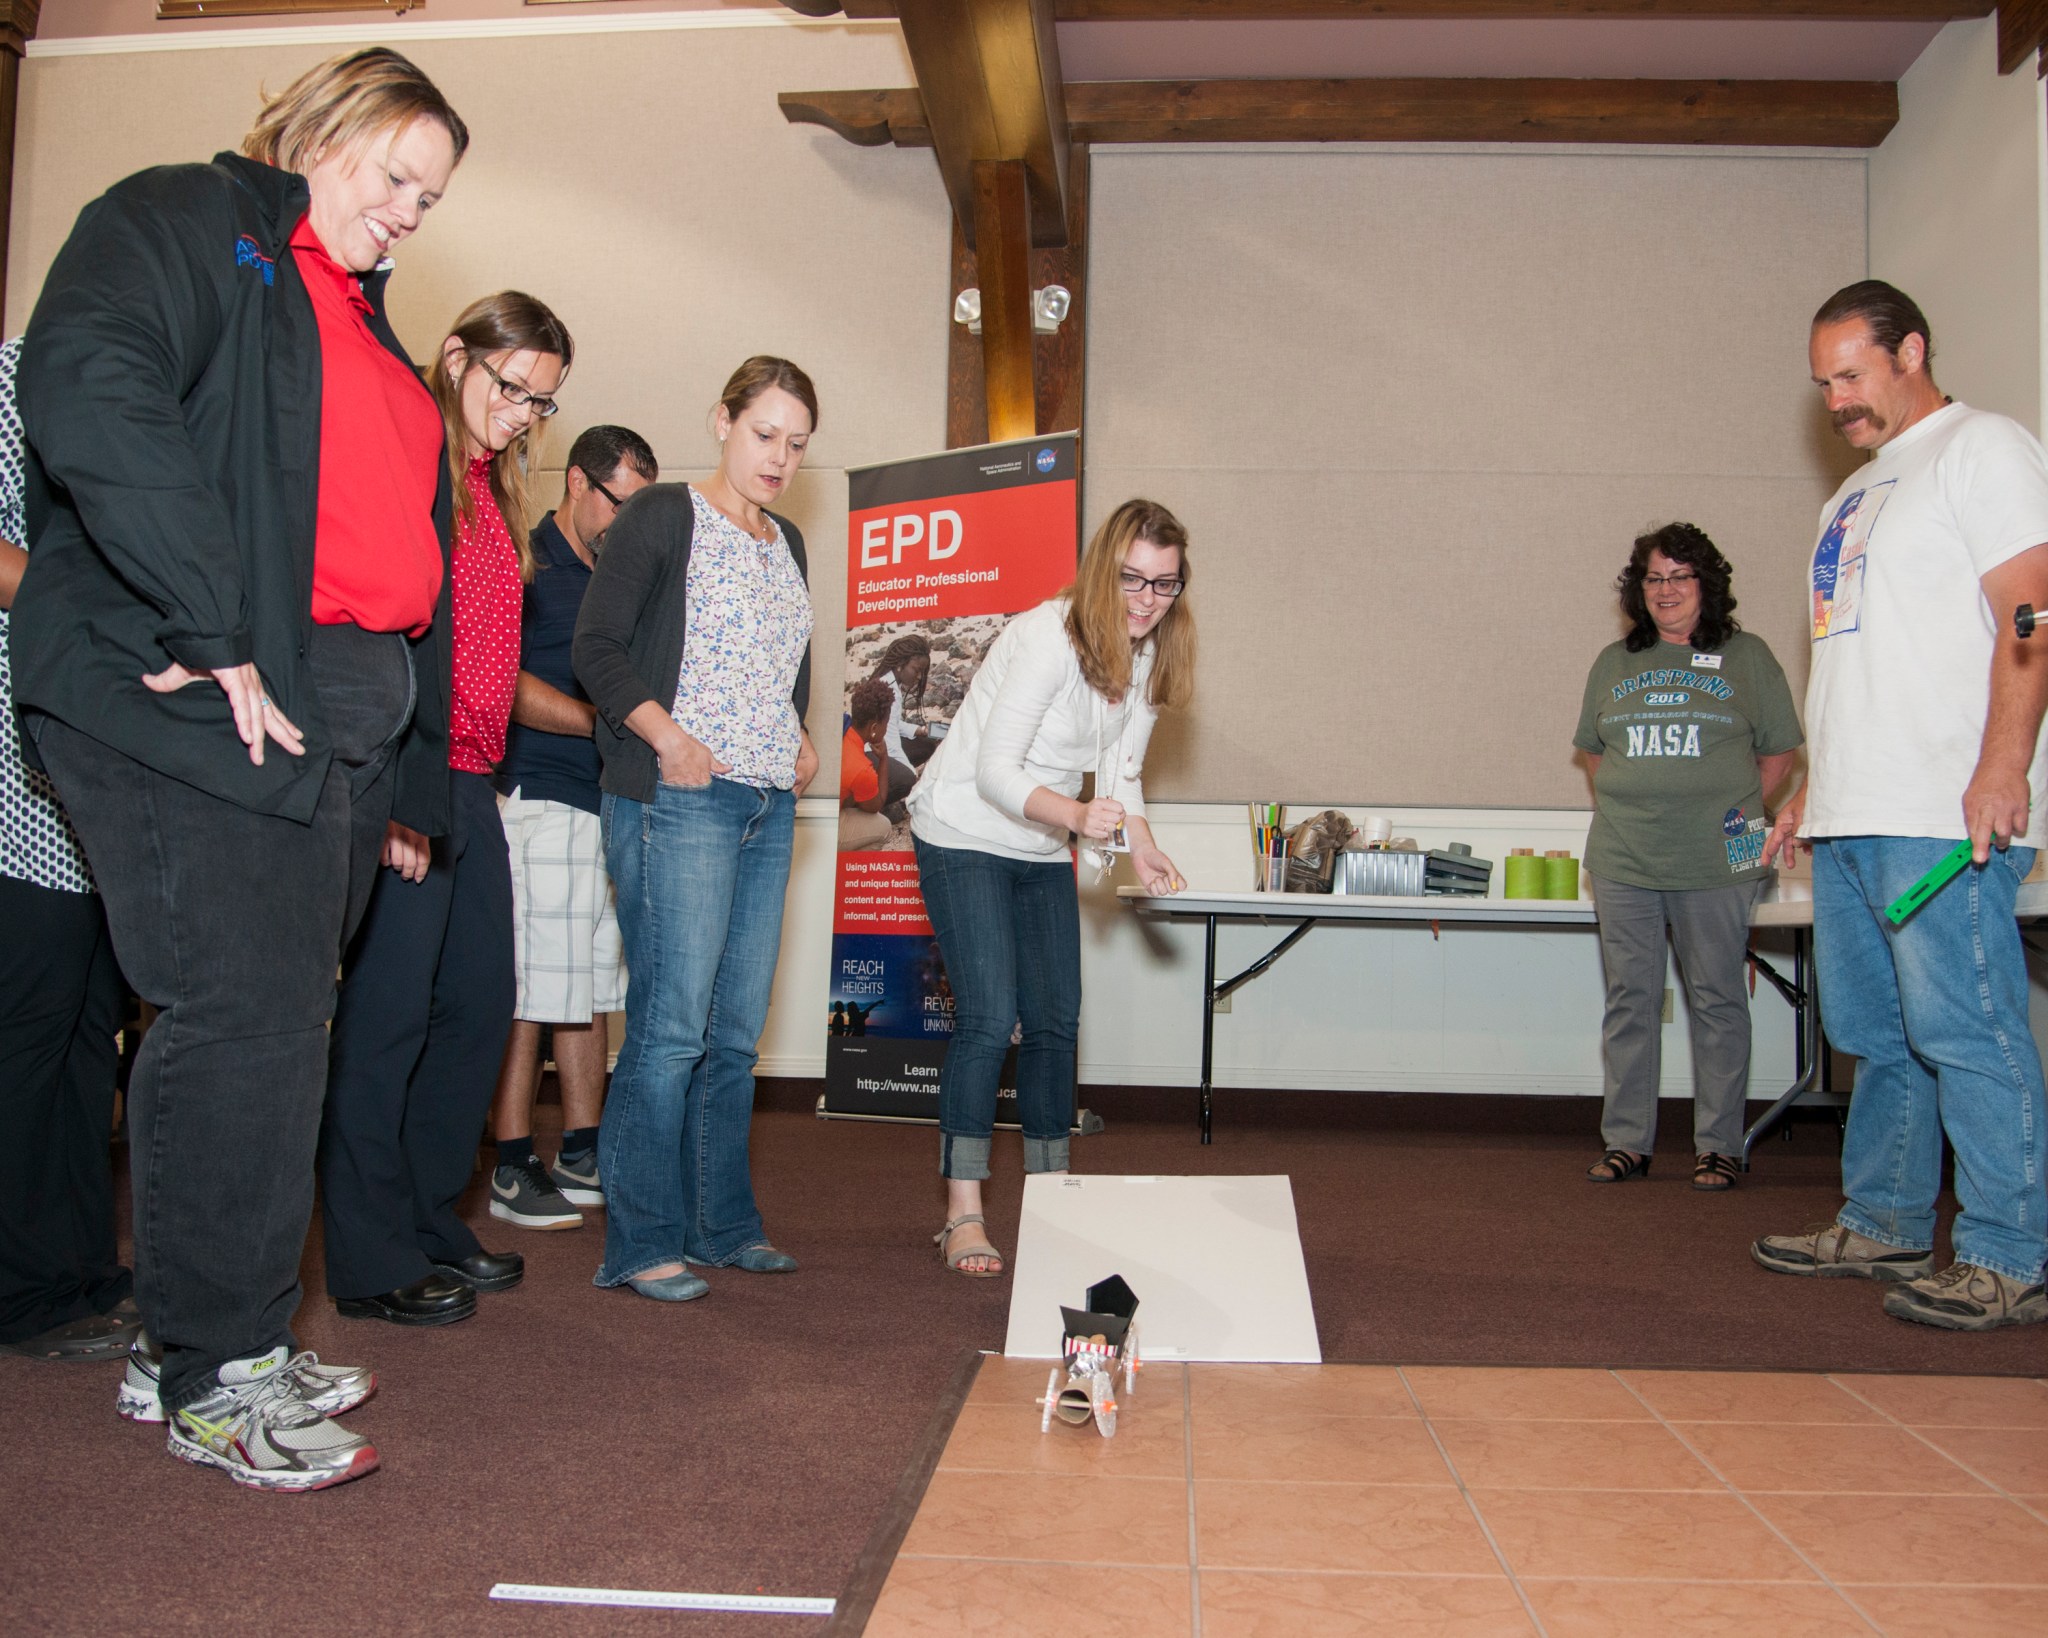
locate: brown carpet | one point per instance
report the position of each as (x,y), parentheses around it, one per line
(754,1441)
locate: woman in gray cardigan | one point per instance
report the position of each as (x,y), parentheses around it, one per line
(694,645)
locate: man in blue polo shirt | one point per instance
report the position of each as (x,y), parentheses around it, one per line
(566,950)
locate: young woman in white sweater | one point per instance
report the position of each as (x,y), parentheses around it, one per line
(1069,689)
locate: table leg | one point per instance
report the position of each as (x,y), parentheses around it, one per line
(1808,1049)
(1208,1016)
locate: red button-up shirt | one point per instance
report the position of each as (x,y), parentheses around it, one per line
(376,558)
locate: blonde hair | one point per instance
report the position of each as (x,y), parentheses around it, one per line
(347,100)
(1095,610)
(509,322)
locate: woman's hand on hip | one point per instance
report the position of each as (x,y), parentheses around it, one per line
(807,762)
(686,761)
(407,851)
(256,719)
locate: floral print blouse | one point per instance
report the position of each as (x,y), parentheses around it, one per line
(749,627)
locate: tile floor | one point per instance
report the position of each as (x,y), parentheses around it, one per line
(1299,1500)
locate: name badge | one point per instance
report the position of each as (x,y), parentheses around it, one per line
(1707,662)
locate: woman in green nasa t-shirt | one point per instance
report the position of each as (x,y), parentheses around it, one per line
(1687,724)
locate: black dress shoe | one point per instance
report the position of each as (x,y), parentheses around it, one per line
(97,1336)
(486,1270)
(435,1300)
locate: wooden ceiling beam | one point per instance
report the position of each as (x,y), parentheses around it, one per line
(990,77)
(1735,113)
(1271,11)
(2022,32)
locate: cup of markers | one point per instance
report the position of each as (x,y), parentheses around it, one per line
(1269,847)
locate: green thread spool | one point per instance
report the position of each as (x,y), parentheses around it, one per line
(1560,876)
(1524,875)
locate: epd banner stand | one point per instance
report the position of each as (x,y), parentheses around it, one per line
(940,551)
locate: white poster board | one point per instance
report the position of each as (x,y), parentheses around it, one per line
(1215,1263)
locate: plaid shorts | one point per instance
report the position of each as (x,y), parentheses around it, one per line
(565,931)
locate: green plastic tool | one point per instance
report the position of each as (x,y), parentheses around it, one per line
(1928,885)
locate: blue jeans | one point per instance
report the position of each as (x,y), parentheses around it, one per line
(700,875)
(1937,1013)
(1010,933)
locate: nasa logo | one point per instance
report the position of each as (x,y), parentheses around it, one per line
(1046,458)
(1734,822)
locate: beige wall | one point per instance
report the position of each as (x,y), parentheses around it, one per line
(644,185)
(1956,219)
(1414,406)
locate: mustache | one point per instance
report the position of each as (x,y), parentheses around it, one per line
(1849,414)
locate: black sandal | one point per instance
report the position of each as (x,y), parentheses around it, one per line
(1714,1174)
(1618,1166)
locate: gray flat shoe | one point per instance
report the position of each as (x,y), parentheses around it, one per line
(683,1287)
(757,1259)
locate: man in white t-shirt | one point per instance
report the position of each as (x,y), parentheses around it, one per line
(1923,721)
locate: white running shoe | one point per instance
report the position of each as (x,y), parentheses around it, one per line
(329,1389)
(256,1429)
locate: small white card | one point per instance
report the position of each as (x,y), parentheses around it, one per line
(1707,662)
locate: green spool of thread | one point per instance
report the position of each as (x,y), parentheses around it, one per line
(1560,876)
(1524,879)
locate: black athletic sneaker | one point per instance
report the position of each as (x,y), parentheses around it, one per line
(576,1177)
(524,1195)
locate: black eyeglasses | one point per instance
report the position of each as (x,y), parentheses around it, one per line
(515,394)
(1167,585)
(600,488)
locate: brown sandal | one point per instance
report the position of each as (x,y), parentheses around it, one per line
(1617,1166)
(953,1259)
(1714,1174)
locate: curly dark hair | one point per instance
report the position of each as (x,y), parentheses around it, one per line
(870,702)
(1688,544)
(912,645)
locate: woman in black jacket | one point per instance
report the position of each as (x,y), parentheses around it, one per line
(694,645)
(231,650)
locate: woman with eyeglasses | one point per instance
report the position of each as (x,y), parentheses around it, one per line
(1070,689)
(1687,727)
(694,644)
(427,986)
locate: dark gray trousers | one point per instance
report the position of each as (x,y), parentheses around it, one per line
(233,923)
(1709,932)
(426,1004)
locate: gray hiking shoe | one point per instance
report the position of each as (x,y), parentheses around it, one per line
(1828,1251)
(255,1428)
(1964,1297)
(329,1389)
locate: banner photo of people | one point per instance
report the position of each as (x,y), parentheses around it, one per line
(941,550)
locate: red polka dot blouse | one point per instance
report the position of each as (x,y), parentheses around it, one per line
(487,603)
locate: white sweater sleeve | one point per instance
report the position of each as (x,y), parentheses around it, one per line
(1038,673)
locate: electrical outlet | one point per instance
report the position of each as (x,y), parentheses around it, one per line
(1222,1004)
(1667,1013)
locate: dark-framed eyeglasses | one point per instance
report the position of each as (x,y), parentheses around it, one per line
(1167,585)
(600,488)
(515,394)
(1657,582)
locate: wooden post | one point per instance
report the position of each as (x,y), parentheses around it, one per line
(1003,262)
(18,19)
